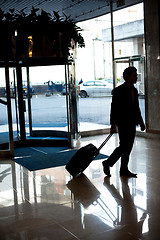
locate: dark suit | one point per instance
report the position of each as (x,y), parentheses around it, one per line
(125,114)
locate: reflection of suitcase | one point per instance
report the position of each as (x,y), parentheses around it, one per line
(83,157)
(87,194)
(84,191)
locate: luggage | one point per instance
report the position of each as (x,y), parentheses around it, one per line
(83,157)
(84,191)
(87,194)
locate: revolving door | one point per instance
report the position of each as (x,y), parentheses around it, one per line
(37,117)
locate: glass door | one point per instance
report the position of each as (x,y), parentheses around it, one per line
(50,103)
(45,103)
(136,61)
(139,63)
(6,131)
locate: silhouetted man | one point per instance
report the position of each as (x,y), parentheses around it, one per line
(125,115)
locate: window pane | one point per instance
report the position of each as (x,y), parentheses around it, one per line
(48,111)
(98,83)
(89,84)
(130,46)
(4,130)
(94,111)
(97,64)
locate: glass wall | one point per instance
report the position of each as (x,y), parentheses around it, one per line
(94,68)
(129,45)
(45,100)
(95,62)
(44,91)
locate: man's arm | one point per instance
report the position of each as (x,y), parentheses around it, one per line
(140,119)
(113,113)
(143,127)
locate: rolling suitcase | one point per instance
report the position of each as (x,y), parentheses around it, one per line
(83,157)
(87,194)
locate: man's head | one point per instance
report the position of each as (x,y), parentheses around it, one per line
(130,75)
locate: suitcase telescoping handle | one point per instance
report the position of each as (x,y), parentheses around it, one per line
(105,141)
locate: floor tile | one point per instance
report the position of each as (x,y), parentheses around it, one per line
(50,204)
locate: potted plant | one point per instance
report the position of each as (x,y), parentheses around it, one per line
(37,34)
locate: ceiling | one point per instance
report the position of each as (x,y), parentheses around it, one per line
(78,10)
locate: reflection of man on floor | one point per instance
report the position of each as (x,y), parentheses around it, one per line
(129,221)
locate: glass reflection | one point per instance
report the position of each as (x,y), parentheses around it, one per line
(131,217)
(114,207)
(28,198)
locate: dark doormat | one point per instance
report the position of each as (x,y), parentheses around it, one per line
(37,158)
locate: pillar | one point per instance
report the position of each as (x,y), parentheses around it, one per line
(152,40)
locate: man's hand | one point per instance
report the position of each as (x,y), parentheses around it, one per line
(113,129)
(142,125)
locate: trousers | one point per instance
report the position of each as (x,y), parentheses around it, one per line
(126,140)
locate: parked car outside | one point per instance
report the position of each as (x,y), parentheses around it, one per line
(137,85)
(27,90)
(12,92)
(95,88)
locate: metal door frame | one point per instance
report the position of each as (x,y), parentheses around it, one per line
(72,122)
(130,60)
(10,151)
(72,115)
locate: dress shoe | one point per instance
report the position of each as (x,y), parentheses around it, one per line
(127,173)
(106,169)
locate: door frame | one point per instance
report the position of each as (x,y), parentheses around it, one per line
(130,60)
(10,151)
(72,121)
(20,117)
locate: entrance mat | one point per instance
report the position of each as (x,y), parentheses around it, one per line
(37,158)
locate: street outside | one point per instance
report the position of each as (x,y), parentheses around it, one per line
(52,111)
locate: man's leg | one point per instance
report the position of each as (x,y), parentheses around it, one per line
(113,158)
(127,136)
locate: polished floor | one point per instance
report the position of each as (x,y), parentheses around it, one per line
(49,204)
